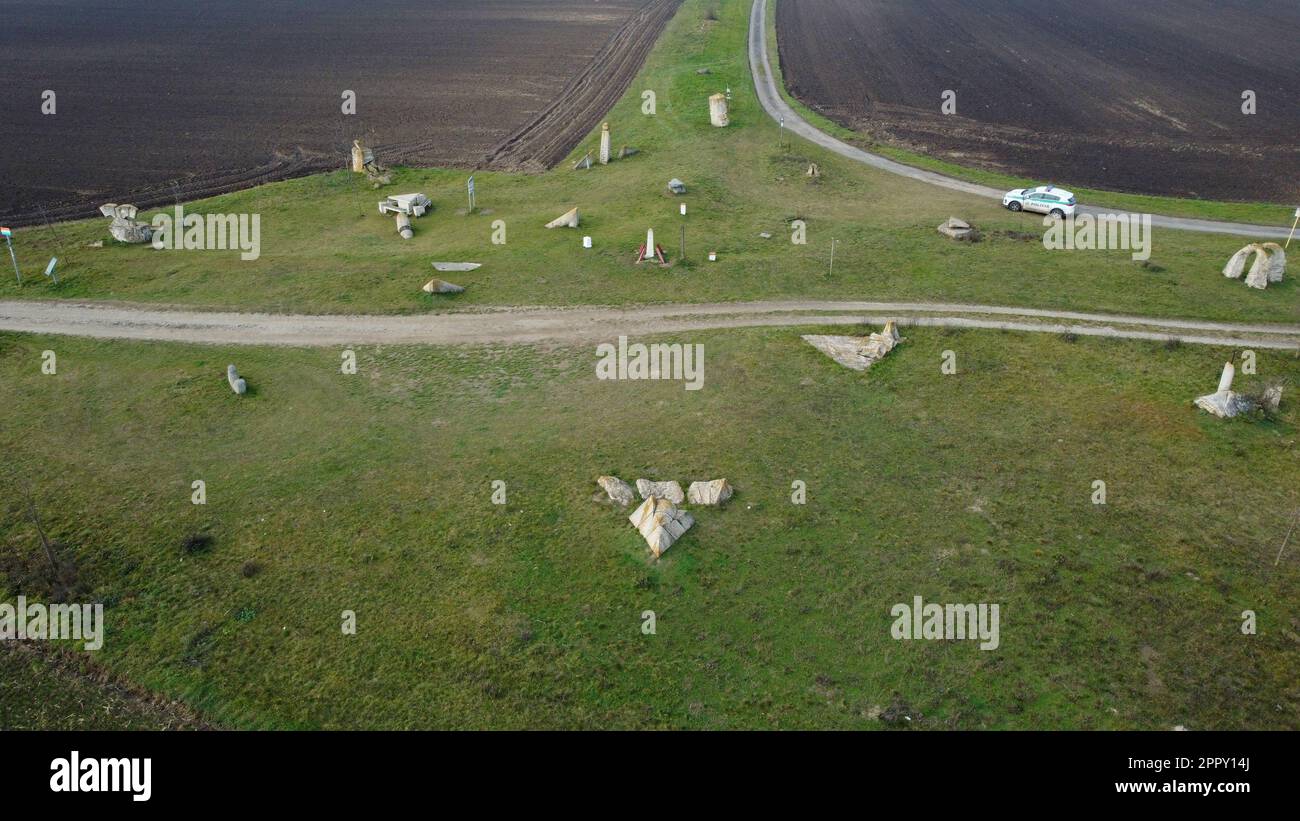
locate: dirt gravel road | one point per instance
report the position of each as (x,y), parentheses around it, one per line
(528,325)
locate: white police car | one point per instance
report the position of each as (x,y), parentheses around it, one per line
(1045,199)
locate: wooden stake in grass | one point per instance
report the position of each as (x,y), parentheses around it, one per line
(40,531)
(1294,520)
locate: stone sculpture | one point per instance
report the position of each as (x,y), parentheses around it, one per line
(664,490)
(237,384)
(857,352)
(709,493)
(618,491)
(660,523)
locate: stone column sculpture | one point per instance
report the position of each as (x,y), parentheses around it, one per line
(604,144)
(718,111)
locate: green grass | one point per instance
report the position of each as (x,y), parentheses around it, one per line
(1258,213)
(372,493)
(325,249)
(37,694)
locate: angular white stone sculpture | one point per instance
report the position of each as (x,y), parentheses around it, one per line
(858,352)
(619,492)
(237,384)
(441,286)
(709,493)
(604,144)
(568,220)
(718,111)
(660,523)
(664,490)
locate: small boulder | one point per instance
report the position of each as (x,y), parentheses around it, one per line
(676,186)
(955,228)
(619,492)
(709,493)
(664,490)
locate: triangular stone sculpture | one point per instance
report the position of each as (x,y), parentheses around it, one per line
(660,523)
(569,220)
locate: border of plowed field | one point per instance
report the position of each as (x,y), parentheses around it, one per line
(537,146)
(553,133)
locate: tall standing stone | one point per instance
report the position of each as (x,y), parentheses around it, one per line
(604,144)
(718,110)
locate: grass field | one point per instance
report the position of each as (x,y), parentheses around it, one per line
(326,249)
(372,492)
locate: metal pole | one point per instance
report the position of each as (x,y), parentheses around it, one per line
(1293,226)
(831,272)
(18,274)
(683,257)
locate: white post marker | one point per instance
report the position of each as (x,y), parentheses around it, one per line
(8,236)
(470,185)
(50,272)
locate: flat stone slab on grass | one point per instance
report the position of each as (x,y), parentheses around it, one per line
(956,228)
(456,266)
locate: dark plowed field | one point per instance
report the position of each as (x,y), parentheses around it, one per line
(229,93)
(1132,95)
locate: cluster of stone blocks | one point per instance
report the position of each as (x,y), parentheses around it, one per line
(658,519)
